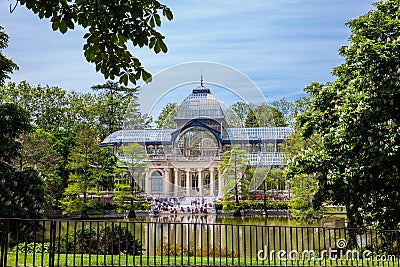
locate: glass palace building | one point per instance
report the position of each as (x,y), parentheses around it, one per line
(184,161)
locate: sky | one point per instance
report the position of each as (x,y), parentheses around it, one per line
(279,45)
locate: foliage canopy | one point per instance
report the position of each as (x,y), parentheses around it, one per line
(357,117)
(7,66)
(110,27)
(22,190)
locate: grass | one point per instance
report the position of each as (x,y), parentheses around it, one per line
(39,259)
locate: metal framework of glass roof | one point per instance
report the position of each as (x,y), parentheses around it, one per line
(158,136)
(199,121)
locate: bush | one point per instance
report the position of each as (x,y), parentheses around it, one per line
(32,247)
(142,205)
(109,240)
(82,241)
(117,239)
(251,205)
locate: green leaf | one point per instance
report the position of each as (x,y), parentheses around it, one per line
(157,19)
(55,25)
(146,76)
(41,14)
(63,26)
(124,79)
(157,47)
(167,13)
(70,24)
(163,47)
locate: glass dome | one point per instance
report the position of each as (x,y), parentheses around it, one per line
(200,104)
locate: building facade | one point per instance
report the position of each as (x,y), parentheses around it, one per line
(184,161)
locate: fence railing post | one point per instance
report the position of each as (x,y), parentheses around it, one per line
(52,242)
(4,242)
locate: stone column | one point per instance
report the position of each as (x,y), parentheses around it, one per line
(176,183)
(200,182)
(188,182)
(148,182)
(167,179)
(212,180)
(220,186)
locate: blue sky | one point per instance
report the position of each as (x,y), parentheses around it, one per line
(280,45)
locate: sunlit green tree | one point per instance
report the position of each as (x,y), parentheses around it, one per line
(167,116)
(90,165)
(357,118)
(233,169)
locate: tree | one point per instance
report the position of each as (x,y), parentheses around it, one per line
(38,153)
(7,66)
(110,26)
(232,119)
(232,170)
(133,119)
(251,120)
(251,115)
(47,105)
(128,186)
(88,163)
(167,115)
(267,116)
(22,191)
(64,141)
(286,108)
(303,187)
(357,117)
(300,105)
(241,109)
(236,115)
(114,106)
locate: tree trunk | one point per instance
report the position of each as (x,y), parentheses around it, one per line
(131,214)
(84,215)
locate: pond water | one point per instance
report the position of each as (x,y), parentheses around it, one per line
(198,232)
(242,234)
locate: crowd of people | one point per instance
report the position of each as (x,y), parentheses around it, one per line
(174,206)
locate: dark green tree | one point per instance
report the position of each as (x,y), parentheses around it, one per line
(134,119)
(113,107)
(90,166)
(236,114)
(251,120)
(22,190)
(110,26)
(7,66)
(357,118)
(263,116)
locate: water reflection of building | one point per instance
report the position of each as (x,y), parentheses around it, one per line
(184,161)
(185,218)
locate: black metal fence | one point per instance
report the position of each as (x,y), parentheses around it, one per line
(137,243)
